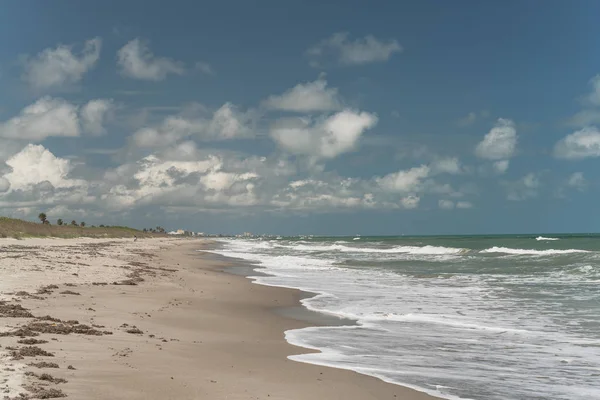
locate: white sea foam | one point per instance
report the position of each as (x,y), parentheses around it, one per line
(450,333)
(431,250)
(532,252)
(541,238)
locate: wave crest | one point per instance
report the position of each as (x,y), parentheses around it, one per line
(507,250)
(540,238)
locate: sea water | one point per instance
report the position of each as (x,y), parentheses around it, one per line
(497,317)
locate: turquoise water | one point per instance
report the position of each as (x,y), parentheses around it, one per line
(478,317)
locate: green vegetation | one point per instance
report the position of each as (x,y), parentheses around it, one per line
(42,217)
(17,228)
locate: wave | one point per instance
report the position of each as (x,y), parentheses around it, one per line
(539,238)
(426,250)
(507,250)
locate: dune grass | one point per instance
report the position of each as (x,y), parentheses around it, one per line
(19,229)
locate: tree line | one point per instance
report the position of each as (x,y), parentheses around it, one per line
(44,220)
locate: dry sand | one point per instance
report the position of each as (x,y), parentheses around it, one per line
(173,327)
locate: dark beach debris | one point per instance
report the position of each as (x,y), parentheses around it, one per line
(47,289)
(71,293)
(14,311)
(20,332)
(134,330)
(71,367)
(31,341)
(63,328)
(44,393)
(23,293)
(29,351)
(48,318)
(50,378)
(44,364)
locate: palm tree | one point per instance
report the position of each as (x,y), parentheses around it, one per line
(59,222)
(74,223)
(42,217)
(82,224)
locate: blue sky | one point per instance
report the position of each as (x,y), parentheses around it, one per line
(303,117)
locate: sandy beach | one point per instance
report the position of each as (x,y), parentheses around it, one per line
(152,319)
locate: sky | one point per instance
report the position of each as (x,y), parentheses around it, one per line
(303,117)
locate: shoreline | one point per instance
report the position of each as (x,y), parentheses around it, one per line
(189,330)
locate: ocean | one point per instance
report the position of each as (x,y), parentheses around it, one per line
(465,317)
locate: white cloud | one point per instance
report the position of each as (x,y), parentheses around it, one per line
(594,96)
(464,204)
(448,165)
(137,61)
(347,52)
(500,142)
(585,117)
(55,117)
(410,202)
(228,123)
(44,118)
(324,138)
(55,67)
(94,114)
(524,188)
(306,97)
(581,144)
(404,181)
(446,204)
(225,123)
(35,165)
(590,114)
(501,166)
(577,181)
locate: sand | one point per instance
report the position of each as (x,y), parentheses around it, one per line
(174,326)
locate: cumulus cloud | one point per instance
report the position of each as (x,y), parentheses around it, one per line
(55,117)
(410,202)
(34,165)
(590,114)
(56,67)
(501,166)
(446,204)
(404,181)
(136,61)
(499,143)
(306,97)
(448,165)
(584,143)
(524,188)
(94,114)
(594,96)
(464,204)
(352,52)
(325,137)
(225,123)
(44,118)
